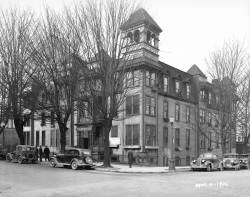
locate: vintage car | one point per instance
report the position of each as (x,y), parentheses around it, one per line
(231,161)
(207,161)
(73,157)
(23,154)
(244,161)
(3,152)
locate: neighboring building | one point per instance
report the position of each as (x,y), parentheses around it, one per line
(157,93)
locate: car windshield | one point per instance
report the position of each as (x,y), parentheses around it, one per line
(208,156)
(243,156)
(230,156)
(28,148)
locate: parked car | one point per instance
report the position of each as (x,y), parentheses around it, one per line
(207,161)
(74,157)
(3,152)
(23,154)
(244,161)
(231,161)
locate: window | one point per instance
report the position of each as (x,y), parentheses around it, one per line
(177,112)
(202,116)
(52,119)
(209,139)
(153,40)
(43,119)
(130,37)
(209,118)
(165,83)
(188,90)
(187,138)
(132,134)
(43,138)
(202,94)
(216,99)
(137,36)
(187,114)
(150,78)
(177,86)
(149,40)
(37,138)
(177,137)
(133,105)
(114,131)
(150,106)
(133,78)
(217,140)
(52,137)
(203,141)
(177,161)
(165,110)
(150,135)
(27,121)
(209,98)
(26,138)
(165,136)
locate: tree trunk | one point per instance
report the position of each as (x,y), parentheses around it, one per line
(19,129)
(63,130)
(106,161)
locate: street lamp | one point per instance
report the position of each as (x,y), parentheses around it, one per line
(172,159)
(3,127)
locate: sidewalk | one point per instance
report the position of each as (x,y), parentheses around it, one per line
(122,168)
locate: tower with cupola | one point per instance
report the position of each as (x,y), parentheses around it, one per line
(141,34)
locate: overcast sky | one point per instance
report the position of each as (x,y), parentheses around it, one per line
(191,28)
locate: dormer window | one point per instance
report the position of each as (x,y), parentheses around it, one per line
(137,36)
(188,90)
(149,37)
(177,86)
(130,37)
(153,39)
(209,98)
(202,94)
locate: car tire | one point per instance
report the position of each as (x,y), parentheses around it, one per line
(8,158)
(209,168)
(74,165)
(20,160)
(52,163)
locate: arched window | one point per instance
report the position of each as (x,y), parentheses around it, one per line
(130,37)
(137,36)
(149,37)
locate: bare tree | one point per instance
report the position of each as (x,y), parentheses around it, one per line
(57,71)
(243,112)
(16,29)
(226,68)
(97,26)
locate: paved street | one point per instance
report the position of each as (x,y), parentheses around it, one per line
(41,180)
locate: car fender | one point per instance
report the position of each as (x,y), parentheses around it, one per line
(10,155)
(75,159)
(55,159)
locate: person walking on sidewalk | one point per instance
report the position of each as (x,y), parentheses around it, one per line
(46,153)
(40,153)
(130,158)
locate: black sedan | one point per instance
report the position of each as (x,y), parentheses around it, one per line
(72,157)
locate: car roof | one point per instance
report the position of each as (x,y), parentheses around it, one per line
(230,154)
(208,155)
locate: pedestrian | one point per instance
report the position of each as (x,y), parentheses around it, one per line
(40,153)
(130,158)
(46,153)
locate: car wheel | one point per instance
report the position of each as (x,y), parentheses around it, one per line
(52,163)
(20,160)
(74,165)
(8,158)
(209,168)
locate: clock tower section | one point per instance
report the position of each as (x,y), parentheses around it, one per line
(141,38)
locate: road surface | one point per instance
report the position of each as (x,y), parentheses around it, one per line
(35,180)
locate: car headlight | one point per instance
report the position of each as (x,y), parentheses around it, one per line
(203,161)
(89,160)
(194,161)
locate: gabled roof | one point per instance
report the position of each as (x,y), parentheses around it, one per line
(139,17)
(194,70)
